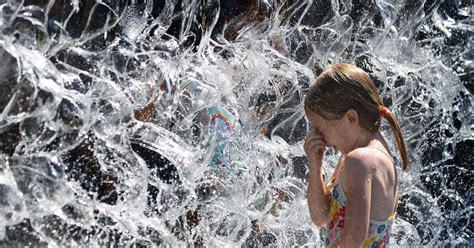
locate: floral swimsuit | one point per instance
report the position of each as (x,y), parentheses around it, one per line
(378,234)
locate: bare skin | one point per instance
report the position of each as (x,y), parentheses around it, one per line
(365,169)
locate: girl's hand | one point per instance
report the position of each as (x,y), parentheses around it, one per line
(314,148)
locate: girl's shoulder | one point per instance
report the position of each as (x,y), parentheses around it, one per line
(361,157)
(368,163)
(369,156)
(358,164)
(364,160)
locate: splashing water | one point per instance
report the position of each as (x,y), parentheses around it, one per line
(106,134)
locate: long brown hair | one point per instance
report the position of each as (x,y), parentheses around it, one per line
(343,87)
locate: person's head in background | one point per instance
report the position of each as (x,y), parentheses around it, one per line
(235,15)
(344,106)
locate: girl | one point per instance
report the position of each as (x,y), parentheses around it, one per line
(358,204)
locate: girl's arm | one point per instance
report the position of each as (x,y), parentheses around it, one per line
(318,198)
(318,195)
(357,188)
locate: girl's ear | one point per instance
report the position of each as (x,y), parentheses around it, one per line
(352,116)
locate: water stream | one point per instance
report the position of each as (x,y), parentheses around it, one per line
(111,113)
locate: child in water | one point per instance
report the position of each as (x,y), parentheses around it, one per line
(359,203)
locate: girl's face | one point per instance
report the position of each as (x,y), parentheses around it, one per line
(335,132)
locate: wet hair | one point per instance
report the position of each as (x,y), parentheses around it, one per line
(342,87)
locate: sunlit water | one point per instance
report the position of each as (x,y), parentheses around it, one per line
(72,75)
